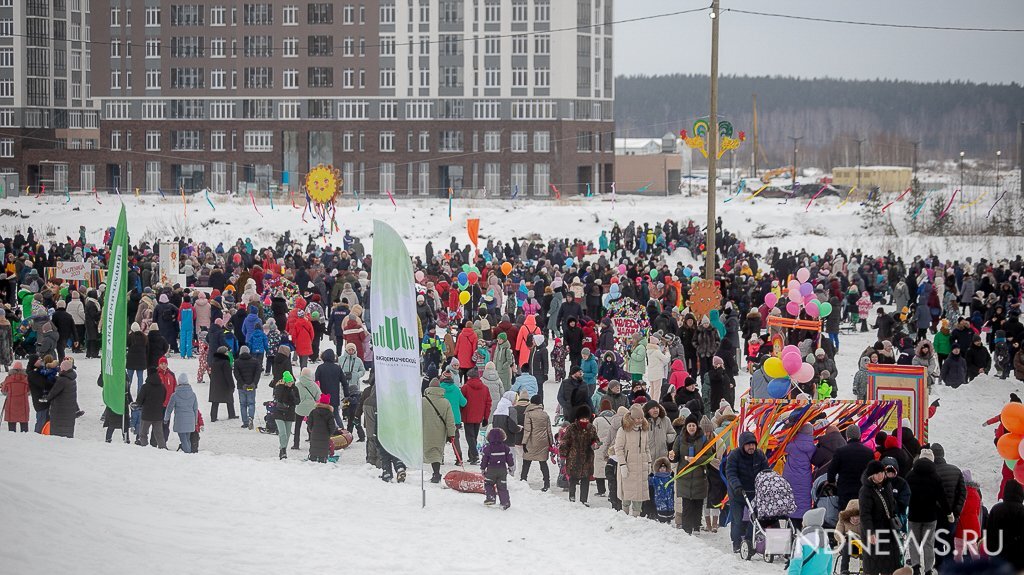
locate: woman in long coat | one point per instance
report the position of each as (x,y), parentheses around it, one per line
(15,391)
(63,401)
(537,439)
(797,471)
(577,447)
(222,383)
(438,426)
(877,519)
(184,405)
(633,453)
(692,488)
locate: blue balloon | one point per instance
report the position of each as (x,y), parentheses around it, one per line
(687,272)
(778,388)
(569,261)
(463,278)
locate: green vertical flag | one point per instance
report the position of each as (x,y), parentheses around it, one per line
(115,318)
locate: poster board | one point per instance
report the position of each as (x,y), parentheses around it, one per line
(907,384)
(78,271)
(94,277)
(170,265)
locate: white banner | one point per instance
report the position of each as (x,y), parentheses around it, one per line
(169,264)
(396,357)
(73,271)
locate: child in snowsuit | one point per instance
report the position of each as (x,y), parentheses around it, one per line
(558,356)
(496,463)
(863,310)
(202,351)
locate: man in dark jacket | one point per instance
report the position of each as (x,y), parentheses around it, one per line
(741,468)
(151,401)
(247,371)
(1005,527)
(332,382)
(979,360)
(572,393)
(884,323)
(156,347)
(848,464)
(570,309)
(962,334)
(572,335)
(65,326)
(955,488)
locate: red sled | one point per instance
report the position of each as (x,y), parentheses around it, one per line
(464,481)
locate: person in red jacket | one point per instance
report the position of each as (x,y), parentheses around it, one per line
(474,413)
(465,346)
(522,346)
(968,526)
(15,390)
(301,332)
(590,337)
(353,330)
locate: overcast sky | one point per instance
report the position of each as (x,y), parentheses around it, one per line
(759,45)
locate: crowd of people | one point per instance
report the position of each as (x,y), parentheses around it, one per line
(638,416)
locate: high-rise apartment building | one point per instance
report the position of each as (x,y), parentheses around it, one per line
(48,117)
(500,97)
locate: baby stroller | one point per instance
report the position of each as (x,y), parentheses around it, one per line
(271,426)
(769,517)
(823,494)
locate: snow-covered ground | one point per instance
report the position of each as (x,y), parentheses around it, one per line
(82,506)
(762,222)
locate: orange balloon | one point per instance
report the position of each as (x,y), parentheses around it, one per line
(1008,446)
(1012,417)
(506,268)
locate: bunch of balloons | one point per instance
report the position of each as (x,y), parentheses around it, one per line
(785,370)
(1011,444)
(801,295)
(469,275)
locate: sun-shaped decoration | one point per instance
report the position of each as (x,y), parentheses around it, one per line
(705,296)
(323,183)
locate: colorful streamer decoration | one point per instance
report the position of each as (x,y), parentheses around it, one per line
(814,197)
(613,193)
(42,190)
(214,208)
(96,195)
(898,198)
(28,190)
(118,192)
(589,194)
(994,204)
(921,207)
(515,191)
(848,196)
(305,209)
(972,204)
(136,193)
(392,198)
(67,192)
(251,197)
(950,204)
(450,194)
(754,195)
(644,187)
(291,196)
(162,195)
(270,196)
(558,195)
(359,203)
(184,202)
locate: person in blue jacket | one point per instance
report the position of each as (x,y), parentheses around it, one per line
(258,342)
(741,468)
(812,553)
(590,369)
(526,381)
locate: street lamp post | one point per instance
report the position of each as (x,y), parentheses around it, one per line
(961,177)
(859,142)
(796,140)
(999,154)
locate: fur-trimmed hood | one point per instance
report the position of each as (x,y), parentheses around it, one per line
(662,461)
(852,510)
(496,435)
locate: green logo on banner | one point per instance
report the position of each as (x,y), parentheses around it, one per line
(393,336)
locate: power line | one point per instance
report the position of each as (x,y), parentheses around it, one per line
(875,24)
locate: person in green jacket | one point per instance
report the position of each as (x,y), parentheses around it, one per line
(309,393)
(637,364)
(503,360)
(941,343)
(454,395)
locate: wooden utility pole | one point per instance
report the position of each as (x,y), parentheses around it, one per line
(755,135)
(709,244)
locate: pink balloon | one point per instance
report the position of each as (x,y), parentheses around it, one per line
(811,308)
(792,362)
(622,268)
(790,349)
(793,285)
(770,299)
(419,275)
(805,373)
(793,308)
(803,274)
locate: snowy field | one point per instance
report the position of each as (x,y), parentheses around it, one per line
(761,222)
(82,506)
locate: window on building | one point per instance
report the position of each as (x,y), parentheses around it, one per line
(520,11)
(492,11)
(387,45)
(388,110)
(115,79)
(258,141)
(348,141)
(492,141)
(520,77)
(152,141)
(222,110)
(257,109)
(520,45)
(542,142)
(290,48)
(387,14)
(321,45)
(152,47)
(187,15)
(349,14)
(387,141)
(6,147)
(348,47)
(186,140)
(7,58)
(257,14)
(153,16)
(450,141)
(290,79)
(320,109)
(217,140)
(585,142)
(321,77)
(217,79)
(487,110)
(542,44)
(152,79)
(492,45)
(451,76)
(542,78)
(348,78)
(519,141)
(492,178)
(387,78)
(289,110)
(290,15)
(386,177)
(153,110)
(87,177)
(217,16)
(152,176)
(424,141)
(492,77)
(541,179)
(542,10)
(352,110)
(259,77)
(451,11)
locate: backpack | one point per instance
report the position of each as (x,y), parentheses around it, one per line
(169,315)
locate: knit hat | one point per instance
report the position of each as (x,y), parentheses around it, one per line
(153,327)
(61,304)
(874,467)
(287,377)
(906,423)
(890,462)
(222,349)
(163,298)
(435,383)
(502,336)
(301,313)
(927,454)
(243,349)
(324,399)
(717,361)
(136,327)
(537,400)
(67,365)
(284,349)
(17,365)
(967,475)
(853,433)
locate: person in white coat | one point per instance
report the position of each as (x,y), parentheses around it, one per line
(657,366)
(633,452)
